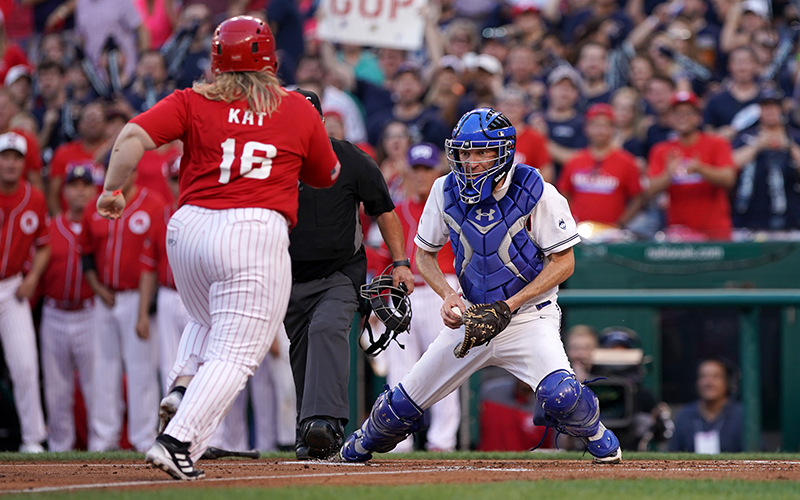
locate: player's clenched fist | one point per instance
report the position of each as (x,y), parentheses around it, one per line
(111,204)
(451,310)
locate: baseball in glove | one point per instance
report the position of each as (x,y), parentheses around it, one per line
(482,323)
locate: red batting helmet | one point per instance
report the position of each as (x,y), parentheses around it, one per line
(243,43)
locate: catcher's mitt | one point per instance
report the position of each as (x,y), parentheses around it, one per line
(482,323)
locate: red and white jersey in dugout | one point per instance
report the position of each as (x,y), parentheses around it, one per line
(63,278)
(24,224)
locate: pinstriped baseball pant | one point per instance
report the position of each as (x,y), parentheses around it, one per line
(233,272)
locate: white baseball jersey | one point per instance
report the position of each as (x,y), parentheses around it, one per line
(530,347)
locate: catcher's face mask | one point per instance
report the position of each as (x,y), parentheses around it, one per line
(392,307)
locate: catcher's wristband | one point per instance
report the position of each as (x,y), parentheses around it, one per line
(109,192)
(401,263)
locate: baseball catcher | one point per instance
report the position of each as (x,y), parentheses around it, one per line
(512,235)
(482,323)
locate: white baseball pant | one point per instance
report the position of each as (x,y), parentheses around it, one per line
(529,348)
(22,359)
(233,272)
(171,318)
(116,345)
(67,345)
(426,323)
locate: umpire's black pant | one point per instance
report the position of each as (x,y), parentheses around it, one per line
(318,324)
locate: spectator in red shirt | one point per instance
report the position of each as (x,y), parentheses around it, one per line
(696,170)
(531,145)
(601,182)
(82,151)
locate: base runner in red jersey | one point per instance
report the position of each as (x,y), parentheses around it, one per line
(247,142)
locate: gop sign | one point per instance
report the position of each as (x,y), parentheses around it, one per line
(397,24)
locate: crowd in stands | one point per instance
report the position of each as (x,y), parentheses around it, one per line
(670,120)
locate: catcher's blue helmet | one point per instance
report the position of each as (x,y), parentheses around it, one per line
(479,129)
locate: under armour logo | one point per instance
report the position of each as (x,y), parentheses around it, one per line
(480,213)
(562,224)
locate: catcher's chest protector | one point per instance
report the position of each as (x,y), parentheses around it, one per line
(494,256)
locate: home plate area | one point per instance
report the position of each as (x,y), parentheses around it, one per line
(33,477)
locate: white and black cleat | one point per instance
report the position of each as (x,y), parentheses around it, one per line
(172,456)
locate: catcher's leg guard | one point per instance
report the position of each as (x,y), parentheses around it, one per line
(572,408)
(393,417)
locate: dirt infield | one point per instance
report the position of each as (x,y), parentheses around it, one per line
(57,476)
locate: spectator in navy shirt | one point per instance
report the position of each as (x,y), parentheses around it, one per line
(768,156)
(740,92)
(562,124)
(592,65)
(286,24)
(658,96)
(197,59)
(575,25)
(150,85)
(714,423)
(423,122)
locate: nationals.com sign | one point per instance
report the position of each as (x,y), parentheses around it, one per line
(397,24)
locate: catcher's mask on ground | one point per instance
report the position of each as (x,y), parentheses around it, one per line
(392,306)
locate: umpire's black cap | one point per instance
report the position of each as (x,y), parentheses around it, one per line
(312,98)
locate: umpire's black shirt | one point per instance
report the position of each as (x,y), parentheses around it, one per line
(328,235)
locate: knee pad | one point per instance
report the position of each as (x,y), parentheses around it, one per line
(393,417)
(567,405)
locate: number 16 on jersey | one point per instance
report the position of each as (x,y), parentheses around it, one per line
(247,160)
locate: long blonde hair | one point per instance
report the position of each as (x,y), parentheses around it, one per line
(262,89)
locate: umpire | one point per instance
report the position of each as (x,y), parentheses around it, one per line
(328,266)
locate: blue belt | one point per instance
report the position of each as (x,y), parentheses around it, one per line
(538,307)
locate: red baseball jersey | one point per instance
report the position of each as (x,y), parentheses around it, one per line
(531,148)
(409,212)
(72,154)
(156,251)
(235,158)
(600,190)
(118,245)
(63,279)
(693,201)
(24,224)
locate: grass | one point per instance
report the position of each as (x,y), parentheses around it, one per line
(644,489)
